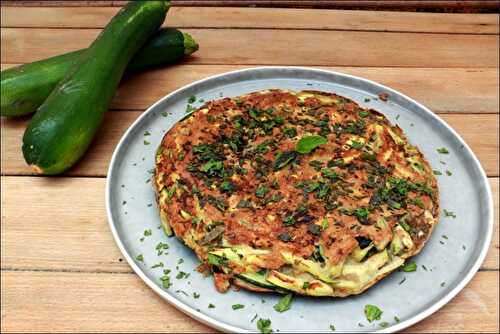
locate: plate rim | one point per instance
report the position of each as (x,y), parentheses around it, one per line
(214,323)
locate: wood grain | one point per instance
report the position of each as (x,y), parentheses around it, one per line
(64,227)
(62,302)
(258,18)
(440,5)
(283,47)
(479,131)
(455,90)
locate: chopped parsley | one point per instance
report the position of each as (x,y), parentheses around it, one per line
(237,306)
(402,281)
(442,150)
(244,204)
(363,113)
(284,304)
(192,99)
(409,267)
(443,284)
(147,133)
(211,305)
(140,258)
(165,279)
(264,326)
(449,213)
(261,191)
(397,319)
(384,324)
(157,265)
(283,159)
(196,295)
(356,145)
(449,173)
(436,172)
(190,109)
(160,247)
(332,327)
(288,221)
(372,313)
(290,132)
(146,142)
(181,275)
(147,233)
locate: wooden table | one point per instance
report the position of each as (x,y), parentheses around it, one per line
(61,270)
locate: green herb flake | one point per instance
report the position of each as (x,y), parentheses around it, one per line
(164,114)
(261,191)
(409,267)
(436,172)
(324,224)
(449,173)
(237,306)
(372,313)
(284,304)
(367,99)
(384,324)
(356,145)
(158,265)
(443,284)
(402,281)
(196,295)
(181,275)
(283,159)
(332,328)
(140,258)
(424,267)
(308,144)
(148,233)
(290,132)
(254,317)
(211,305)
(442,150)
(146,142)
(363,113)
(397,319)
(264,326)
(397,117)
(449,214)
(444,236)
(192,99)
(189,109)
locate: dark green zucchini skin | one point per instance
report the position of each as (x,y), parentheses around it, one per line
(63,127)
(25,87)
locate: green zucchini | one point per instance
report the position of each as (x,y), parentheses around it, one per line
(63,127)
(25,87)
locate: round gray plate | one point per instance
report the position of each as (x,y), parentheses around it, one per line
(451,257)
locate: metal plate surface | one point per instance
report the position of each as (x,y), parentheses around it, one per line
(451,257)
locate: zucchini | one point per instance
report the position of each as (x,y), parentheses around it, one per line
(25,87)
(62,129)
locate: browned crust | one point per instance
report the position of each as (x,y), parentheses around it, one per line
(267,237)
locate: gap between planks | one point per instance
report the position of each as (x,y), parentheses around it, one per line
(280,47)
(61,237)
(443,90)
(260,18)
(46,302)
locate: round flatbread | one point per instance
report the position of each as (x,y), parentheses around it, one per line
(295,191)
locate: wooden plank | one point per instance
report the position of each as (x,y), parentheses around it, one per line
(412,5)
(479,131)
(258,18)
(64,227)
(45,302)
(443,90)
(283,47)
